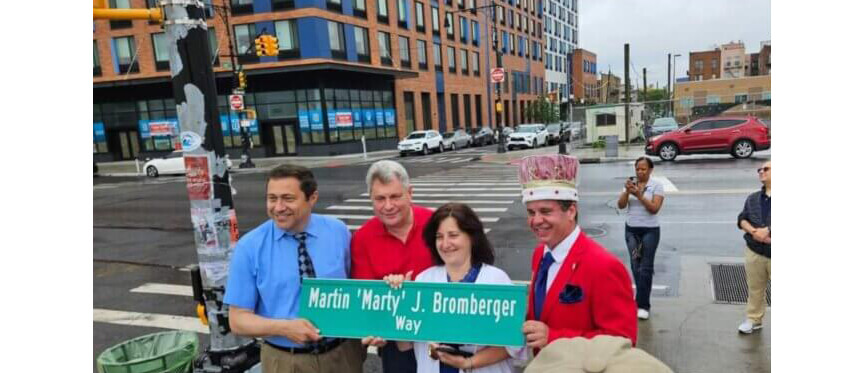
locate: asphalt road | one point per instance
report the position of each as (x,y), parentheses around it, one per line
(142,235)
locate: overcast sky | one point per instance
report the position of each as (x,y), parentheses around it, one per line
(655,28)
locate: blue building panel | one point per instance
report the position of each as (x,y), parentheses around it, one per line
(439,81)
(347,7)
(307,3)
(350,43)
(262,6)
(114,60)
(314,42)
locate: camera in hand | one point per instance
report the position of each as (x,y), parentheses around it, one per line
(453,351)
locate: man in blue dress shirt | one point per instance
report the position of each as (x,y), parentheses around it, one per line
(268,266)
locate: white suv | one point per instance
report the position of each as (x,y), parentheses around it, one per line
(528,136)
(421,142)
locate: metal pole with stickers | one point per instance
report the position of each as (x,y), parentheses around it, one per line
(212,212)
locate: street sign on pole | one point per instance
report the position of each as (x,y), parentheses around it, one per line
(236,102)
(497,75)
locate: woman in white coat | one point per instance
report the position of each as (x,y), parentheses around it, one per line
(462,253)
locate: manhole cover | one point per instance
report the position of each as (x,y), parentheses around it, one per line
(594,232)
(730,284)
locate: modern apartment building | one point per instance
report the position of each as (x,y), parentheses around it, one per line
(561,33)
(346,70)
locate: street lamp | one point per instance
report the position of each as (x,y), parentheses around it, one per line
(502,147)
(674,78)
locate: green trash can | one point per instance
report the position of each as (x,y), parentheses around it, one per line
(166,352)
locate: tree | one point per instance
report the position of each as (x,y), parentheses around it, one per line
(657,104)
(543,111)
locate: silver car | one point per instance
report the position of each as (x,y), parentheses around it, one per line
(456,140)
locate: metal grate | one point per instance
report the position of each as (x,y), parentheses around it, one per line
(730,284)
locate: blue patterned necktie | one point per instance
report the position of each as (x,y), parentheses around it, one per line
(304,262)
(540,284)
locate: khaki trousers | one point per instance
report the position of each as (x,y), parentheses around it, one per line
(348,357)
(758,269)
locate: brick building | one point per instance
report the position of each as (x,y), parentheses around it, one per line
(584,67)
(704,65)
(395,66)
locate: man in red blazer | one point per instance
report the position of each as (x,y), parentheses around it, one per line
(578,289)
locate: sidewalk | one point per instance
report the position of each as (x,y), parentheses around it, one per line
(128,168)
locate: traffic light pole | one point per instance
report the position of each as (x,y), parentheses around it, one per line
(502,147)
(207,181)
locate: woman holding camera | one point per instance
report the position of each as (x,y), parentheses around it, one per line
(642,197)
(461,253)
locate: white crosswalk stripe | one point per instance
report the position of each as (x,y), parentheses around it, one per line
(152,320)
(369,208)
(367,217)
(440,201)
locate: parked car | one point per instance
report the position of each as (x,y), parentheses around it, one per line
(662,125)
(528,136)
(421,142)
(556,133)
(482,136)
(507,131)
(739,136)
(456,139)
(171,164)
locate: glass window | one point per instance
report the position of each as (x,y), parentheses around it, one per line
(286,32)
(243,38)
(382,11)
(97,69)
(448,23)
(214,44)
(475,65)
(421,20)
(404,52)
(361,42)
(451,59)
(421,53)
(402,13)
(360,5)
(436,24)
(409,112)
(384,48)
(160,50)
(337,39)
(436,50)
(125,48)
(463,54)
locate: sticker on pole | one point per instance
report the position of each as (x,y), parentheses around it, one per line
(190,140)
(197,177)
(497,75)
(236,102)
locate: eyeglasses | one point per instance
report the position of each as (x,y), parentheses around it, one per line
(763,169)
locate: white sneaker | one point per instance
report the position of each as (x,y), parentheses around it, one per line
(642,314)
(748,327)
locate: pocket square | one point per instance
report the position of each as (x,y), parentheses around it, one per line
(571,294)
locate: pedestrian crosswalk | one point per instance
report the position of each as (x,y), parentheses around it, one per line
(490,190)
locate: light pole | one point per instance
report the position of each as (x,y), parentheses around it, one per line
(502,148)
(674,77)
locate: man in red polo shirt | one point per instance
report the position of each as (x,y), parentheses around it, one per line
(391,243)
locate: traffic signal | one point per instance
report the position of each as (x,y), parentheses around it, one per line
(271,45)
(260,46)
(241,80)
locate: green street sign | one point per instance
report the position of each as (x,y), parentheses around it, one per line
(226,65)
(481,314)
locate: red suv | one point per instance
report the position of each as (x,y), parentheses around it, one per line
(739,136)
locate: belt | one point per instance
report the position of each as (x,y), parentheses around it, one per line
(317,349)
